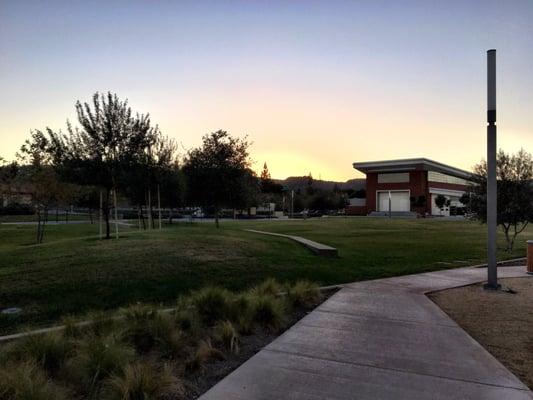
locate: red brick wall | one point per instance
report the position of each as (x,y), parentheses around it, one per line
(417,184)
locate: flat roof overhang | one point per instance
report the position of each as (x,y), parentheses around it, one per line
(410,164)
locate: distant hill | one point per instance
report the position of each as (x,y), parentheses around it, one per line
(300,182)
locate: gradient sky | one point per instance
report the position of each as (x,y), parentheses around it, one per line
(316,85)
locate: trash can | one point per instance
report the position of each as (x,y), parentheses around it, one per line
(530,257)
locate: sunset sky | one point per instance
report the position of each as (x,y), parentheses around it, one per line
(316,85)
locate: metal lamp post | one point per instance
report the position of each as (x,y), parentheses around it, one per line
(492,270)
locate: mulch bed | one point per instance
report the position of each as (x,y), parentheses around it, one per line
(501,321)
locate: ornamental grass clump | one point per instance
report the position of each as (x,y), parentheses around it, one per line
(28,381)
(269,287)
(226,334)
(268,312)
(212,304)
(97,358)
(304,294)
(205,352)
(143,381)
(140,323)
(101,323)
(48,350)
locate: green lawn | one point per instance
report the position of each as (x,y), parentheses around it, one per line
(73,272)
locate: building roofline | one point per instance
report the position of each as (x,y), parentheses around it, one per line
(410,163)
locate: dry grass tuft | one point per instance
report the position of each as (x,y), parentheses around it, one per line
(143,381)
(97,358)
(226,334)
(304,294)
(27,381)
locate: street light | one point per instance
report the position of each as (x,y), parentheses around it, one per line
(492,269)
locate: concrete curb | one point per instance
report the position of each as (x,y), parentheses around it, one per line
(318,248)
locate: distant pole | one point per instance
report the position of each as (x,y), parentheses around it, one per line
(492,208)
(292,203)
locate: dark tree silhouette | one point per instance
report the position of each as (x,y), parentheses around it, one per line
(218,173)
(515,193)
(110,141)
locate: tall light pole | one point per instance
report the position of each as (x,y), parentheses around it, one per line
(492,269)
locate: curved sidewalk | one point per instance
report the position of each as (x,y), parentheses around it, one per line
(381,339)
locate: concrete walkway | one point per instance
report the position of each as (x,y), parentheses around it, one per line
(381,339)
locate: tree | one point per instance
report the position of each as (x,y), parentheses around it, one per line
(40,176)
(267,185)
(515,193)
(8,177)
(440,202)
(110,141)
(266,180)
(218,173)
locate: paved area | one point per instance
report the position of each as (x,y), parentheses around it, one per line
(381,339)
(317,248)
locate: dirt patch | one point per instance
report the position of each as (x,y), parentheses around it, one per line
(501,322)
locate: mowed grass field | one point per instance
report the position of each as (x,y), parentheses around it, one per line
(73,272)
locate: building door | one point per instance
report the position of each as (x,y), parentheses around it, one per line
(399,201)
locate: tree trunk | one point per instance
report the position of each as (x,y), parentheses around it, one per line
(216,218)
(100,216)
(43,225)
(91,216)
(159,205)
(116,211)
(142,218)
(139,210)
(507,238)
(150,219)
(170,216)
(38,235)
(106,214)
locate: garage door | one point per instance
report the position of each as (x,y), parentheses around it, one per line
(399,201)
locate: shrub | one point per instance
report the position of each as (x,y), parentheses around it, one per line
(142,381)
(97,358)
(268,312)
(48,350)
(212,304)
(304,294)
(226,334)
(26,381)
(204,353)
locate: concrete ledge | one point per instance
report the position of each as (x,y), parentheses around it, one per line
(318,248)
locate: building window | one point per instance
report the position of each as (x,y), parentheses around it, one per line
(399,177)
(443,178)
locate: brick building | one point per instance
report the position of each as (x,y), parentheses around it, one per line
(410,187)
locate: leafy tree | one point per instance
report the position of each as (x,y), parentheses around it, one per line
(514,191)
(8,177)
(41,178)
(267,184)
(110,141)
(440,202)
(310,189)
(218,173)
